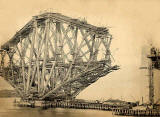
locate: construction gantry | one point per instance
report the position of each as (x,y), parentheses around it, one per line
(56,57)
(154,64)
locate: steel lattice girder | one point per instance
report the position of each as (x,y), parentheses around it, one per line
(56,56)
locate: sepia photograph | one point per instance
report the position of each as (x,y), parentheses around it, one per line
(79,58)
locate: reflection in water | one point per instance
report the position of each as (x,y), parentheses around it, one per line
(7,109)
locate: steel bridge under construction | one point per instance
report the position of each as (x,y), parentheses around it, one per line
(56,57)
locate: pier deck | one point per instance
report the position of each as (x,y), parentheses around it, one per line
(131,112)
(75,105)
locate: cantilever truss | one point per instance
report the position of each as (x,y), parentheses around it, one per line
(54,56)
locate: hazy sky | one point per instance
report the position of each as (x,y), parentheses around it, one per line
(134,24)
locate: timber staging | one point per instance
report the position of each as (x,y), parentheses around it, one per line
(63,104)
(131,112)
(120,110)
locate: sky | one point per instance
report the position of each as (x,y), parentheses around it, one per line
(134,24)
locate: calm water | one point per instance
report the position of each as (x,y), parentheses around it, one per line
(7,109)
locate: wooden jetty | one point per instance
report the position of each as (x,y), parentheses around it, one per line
(131,112)
(75,105)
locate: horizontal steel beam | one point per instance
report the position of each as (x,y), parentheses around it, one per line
(58,18)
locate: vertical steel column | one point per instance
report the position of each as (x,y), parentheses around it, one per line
(96,49)
(23,65)
(59,38)
(3,53)
(75,42)
(151,84)
(30,68)
(92,46)
(108,53)
(39,46)
(45,53)
(10,55)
